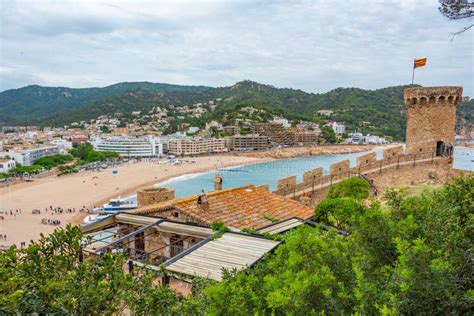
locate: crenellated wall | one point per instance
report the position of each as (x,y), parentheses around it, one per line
(431,116)
(396,168)
(286,183)
(312,175)
(393,153)
(366,160)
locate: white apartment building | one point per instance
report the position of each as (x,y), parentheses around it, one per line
(6,164)
(359,138)
(283,121)
(338,128)
(126,146)
(196,146)
(28,156)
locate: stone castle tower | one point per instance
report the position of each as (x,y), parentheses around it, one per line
(431,118)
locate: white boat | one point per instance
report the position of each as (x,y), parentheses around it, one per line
(118,205)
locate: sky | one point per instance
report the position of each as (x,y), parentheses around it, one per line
(314,46)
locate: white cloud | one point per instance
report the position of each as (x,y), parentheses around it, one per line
(312,45)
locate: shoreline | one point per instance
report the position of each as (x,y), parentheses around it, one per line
(264,156)
(89,189)
(96,188)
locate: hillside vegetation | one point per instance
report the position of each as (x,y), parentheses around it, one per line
(379,111)
(35,104)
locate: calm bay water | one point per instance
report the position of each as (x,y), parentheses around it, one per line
(270,172)
(257,174)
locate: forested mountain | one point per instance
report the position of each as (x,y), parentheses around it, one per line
(370,111)
(35,104)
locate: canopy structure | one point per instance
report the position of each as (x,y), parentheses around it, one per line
(185,249)
(230,251)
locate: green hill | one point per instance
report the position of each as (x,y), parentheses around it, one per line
(378,111)
(34,104)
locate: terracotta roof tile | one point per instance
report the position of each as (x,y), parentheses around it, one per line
(238,207)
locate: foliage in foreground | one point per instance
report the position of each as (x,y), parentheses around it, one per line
(47,277)
(412,255)
(342,205)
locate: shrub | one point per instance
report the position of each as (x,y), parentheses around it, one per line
(338,212)
(355,187)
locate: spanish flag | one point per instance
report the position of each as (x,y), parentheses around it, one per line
(420,62)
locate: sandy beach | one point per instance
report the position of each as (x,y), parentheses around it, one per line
(89,189)
(94,188)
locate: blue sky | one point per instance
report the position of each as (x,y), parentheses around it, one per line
(315,46)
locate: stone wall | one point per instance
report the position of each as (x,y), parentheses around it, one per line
(286,183)
(393,171)
(431,117)
(437,172)
(340,169)
(393,152)
(312,175)
(179,216)
(154,195)
(366,159)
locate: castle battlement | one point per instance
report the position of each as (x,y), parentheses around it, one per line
(431,118)
(415,97)
(393,166)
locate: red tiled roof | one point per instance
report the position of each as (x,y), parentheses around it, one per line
(239,207)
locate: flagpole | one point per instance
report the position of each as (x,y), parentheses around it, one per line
(413,74)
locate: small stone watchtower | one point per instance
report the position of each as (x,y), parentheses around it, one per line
(154,195)
(431,118)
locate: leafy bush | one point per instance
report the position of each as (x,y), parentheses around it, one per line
(53,161)
(86,153)
(26,169)
(219,227)
(354,187)
(338,212)
(415,260)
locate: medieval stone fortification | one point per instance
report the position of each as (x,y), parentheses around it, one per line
(431,117)
(154,195)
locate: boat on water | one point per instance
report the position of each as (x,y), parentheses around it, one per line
(233,170)
(117,205)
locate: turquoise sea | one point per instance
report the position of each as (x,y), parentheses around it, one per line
(271,172)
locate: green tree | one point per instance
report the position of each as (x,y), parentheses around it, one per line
(328,134)
(47,277)
(339,212)
(354,187)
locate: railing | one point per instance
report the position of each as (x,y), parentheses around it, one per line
(372,167)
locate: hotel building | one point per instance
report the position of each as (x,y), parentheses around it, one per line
(130,146)
(247,142)
(196,146)
(28,156)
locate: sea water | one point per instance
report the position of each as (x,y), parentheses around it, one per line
(272,171)
(257,174)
